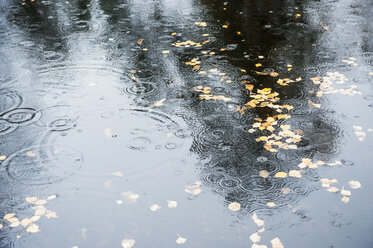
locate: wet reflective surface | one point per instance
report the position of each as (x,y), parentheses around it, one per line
(109,110)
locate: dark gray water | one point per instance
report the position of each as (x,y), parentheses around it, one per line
(186,123)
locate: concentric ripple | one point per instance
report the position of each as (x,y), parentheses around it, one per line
(21,116)
(42,165)
(141,89)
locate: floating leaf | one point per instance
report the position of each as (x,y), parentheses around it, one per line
(30,154)
(180,240)
(345,192)
(108,133)
(128,243)
(345,199)
(8,216)
(234,206)
(256,220)
(285,191)
(295,173)
(194,189)
(281,174)
(33,228)
(119,202)
(276,243)
(40,210)
(271,204)
(25,222)
(255,237)
(171,204)
(1,226)
(131,196)
(158,103)
(155,207)
(165,51)
(40,202)
(15,224)
(35,218)
(2,157)
(354,184)
(258,246)
(51,197)
(333,189)
(117,173)
(51,214)
(263,173)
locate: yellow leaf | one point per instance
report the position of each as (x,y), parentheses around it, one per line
(258,65)
(51,214)
(180,240)
(165,51)
(108,133)
(234,206)
(8,216)
(26,222)
(271,204)
(154,207)
(30,154)
(258,246)
(354,184)
(31,199)
(2,157)
(295,173)
(128,243)
(263,173)
(33,228)
(51,197)
(257,221)
(255,237)
(35,218)
(345,192)
(159,103)
(345,199)
(332,189)
(285,191)
(276,243)
(40,202)
(281,174)
(118,174)
(171,204)
(225,26)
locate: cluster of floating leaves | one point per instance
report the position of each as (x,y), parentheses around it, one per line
(255,237)
(346,194)
(29,224)
(359,132)
(206,94)
(334,78)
